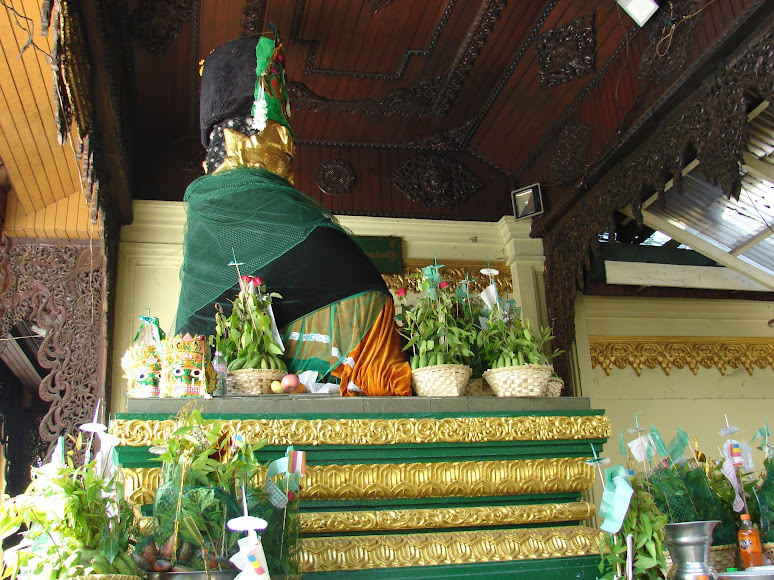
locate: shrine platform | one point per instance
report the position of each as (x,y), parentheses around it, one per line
(415,487)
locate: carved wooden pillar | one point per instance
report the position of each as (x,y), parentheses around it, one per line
(59,286)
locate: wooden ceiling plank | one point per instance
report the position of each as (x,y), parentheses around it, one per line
(13,156)
(356,13)
(18,145)
(27,115)
(409,32)
(207,41)
(234,22)
(41,78)
(221,23)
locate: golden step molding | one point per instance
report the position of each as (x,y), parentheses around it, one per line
(693,352)
(416,480)
(138,432)
(453,272)
(445,517)
(329,554)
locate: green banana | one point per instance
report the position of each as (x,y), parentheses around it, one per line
(236,364)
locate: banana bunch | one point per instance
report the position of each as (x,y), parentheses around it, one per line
(509,361)
(258,361)
(97,562)
(425,360)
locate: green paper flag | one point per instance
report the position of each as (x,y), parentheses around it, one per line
(615,499)
(622,445)
(678,444)
(658,441)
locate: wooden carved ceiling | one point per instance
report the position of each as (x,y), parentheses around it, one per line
(498,89)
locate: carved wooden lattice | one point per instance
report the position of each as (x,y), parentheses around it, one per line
(435,181)
(60,289)
(570,154)
(714,124)
(566,53)
(672,33)
(335,177)
(157,23)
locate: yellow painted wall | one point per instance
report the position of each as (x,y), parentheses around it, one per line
(697,403)
(151,251)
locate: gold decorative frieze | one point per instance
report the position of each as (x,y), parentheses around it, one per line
(138,432)
(448,517)
(418,480)
(328,554)
(680,351)
(453,272)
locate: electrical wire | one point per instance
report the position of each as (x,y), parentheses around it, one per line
(30,31)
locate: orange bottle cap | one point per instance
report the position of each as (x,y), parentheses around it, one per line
(745,516)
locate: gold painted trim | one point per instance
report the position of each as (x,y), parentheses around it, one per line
(138,432)
(451,517)
(435,549)
(640,352)
(453,272)
(417,480)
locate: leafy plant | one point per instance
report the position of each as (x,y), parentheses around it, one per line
(505,340)
(435,328)
(78,524)
(646,524)
(206,454)
(205,467)
(245,336)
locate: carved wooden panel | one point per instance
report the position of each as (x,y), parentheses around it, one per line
(435,181)
(59,288)
(566,53)
(157,23)
(335,177)
(713,123)
(672,32)
(570,152)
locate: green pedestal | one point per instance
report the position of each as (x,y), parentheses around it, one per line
(416,487)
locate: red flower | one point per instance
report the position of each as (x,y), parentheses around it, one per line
(291,496)
(246,279)
(443,284)
(401,293)
(257,281)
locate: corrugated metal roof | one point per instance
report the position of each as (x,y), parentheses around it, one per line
(740,227)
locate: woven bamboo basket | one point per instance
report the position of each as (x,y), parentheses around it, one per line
(768,552)
(440,380)
(252,381)
(519,381)
(478,388)
(554,387)
(721,558)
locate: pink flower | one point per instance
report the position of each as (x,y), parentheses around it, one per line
(443,284)
(401,292)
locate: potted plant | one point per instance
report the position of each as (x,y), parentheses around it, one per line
(78,522)
(208,477)
(438,339)
(515,353)
(248,340)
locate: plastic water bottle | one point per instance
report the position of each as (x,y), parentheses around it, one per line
(750,543)
(219,365)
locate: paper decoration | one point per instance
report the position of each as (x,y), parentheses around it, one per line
(297,462)
(615,499)
(658,442)
(630,557)
(250,559)
(736,454)
(763,433)
(728,429)
(489,296)
(730,472)
(677,446)
(640,447)
(622,444)
(277,497)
